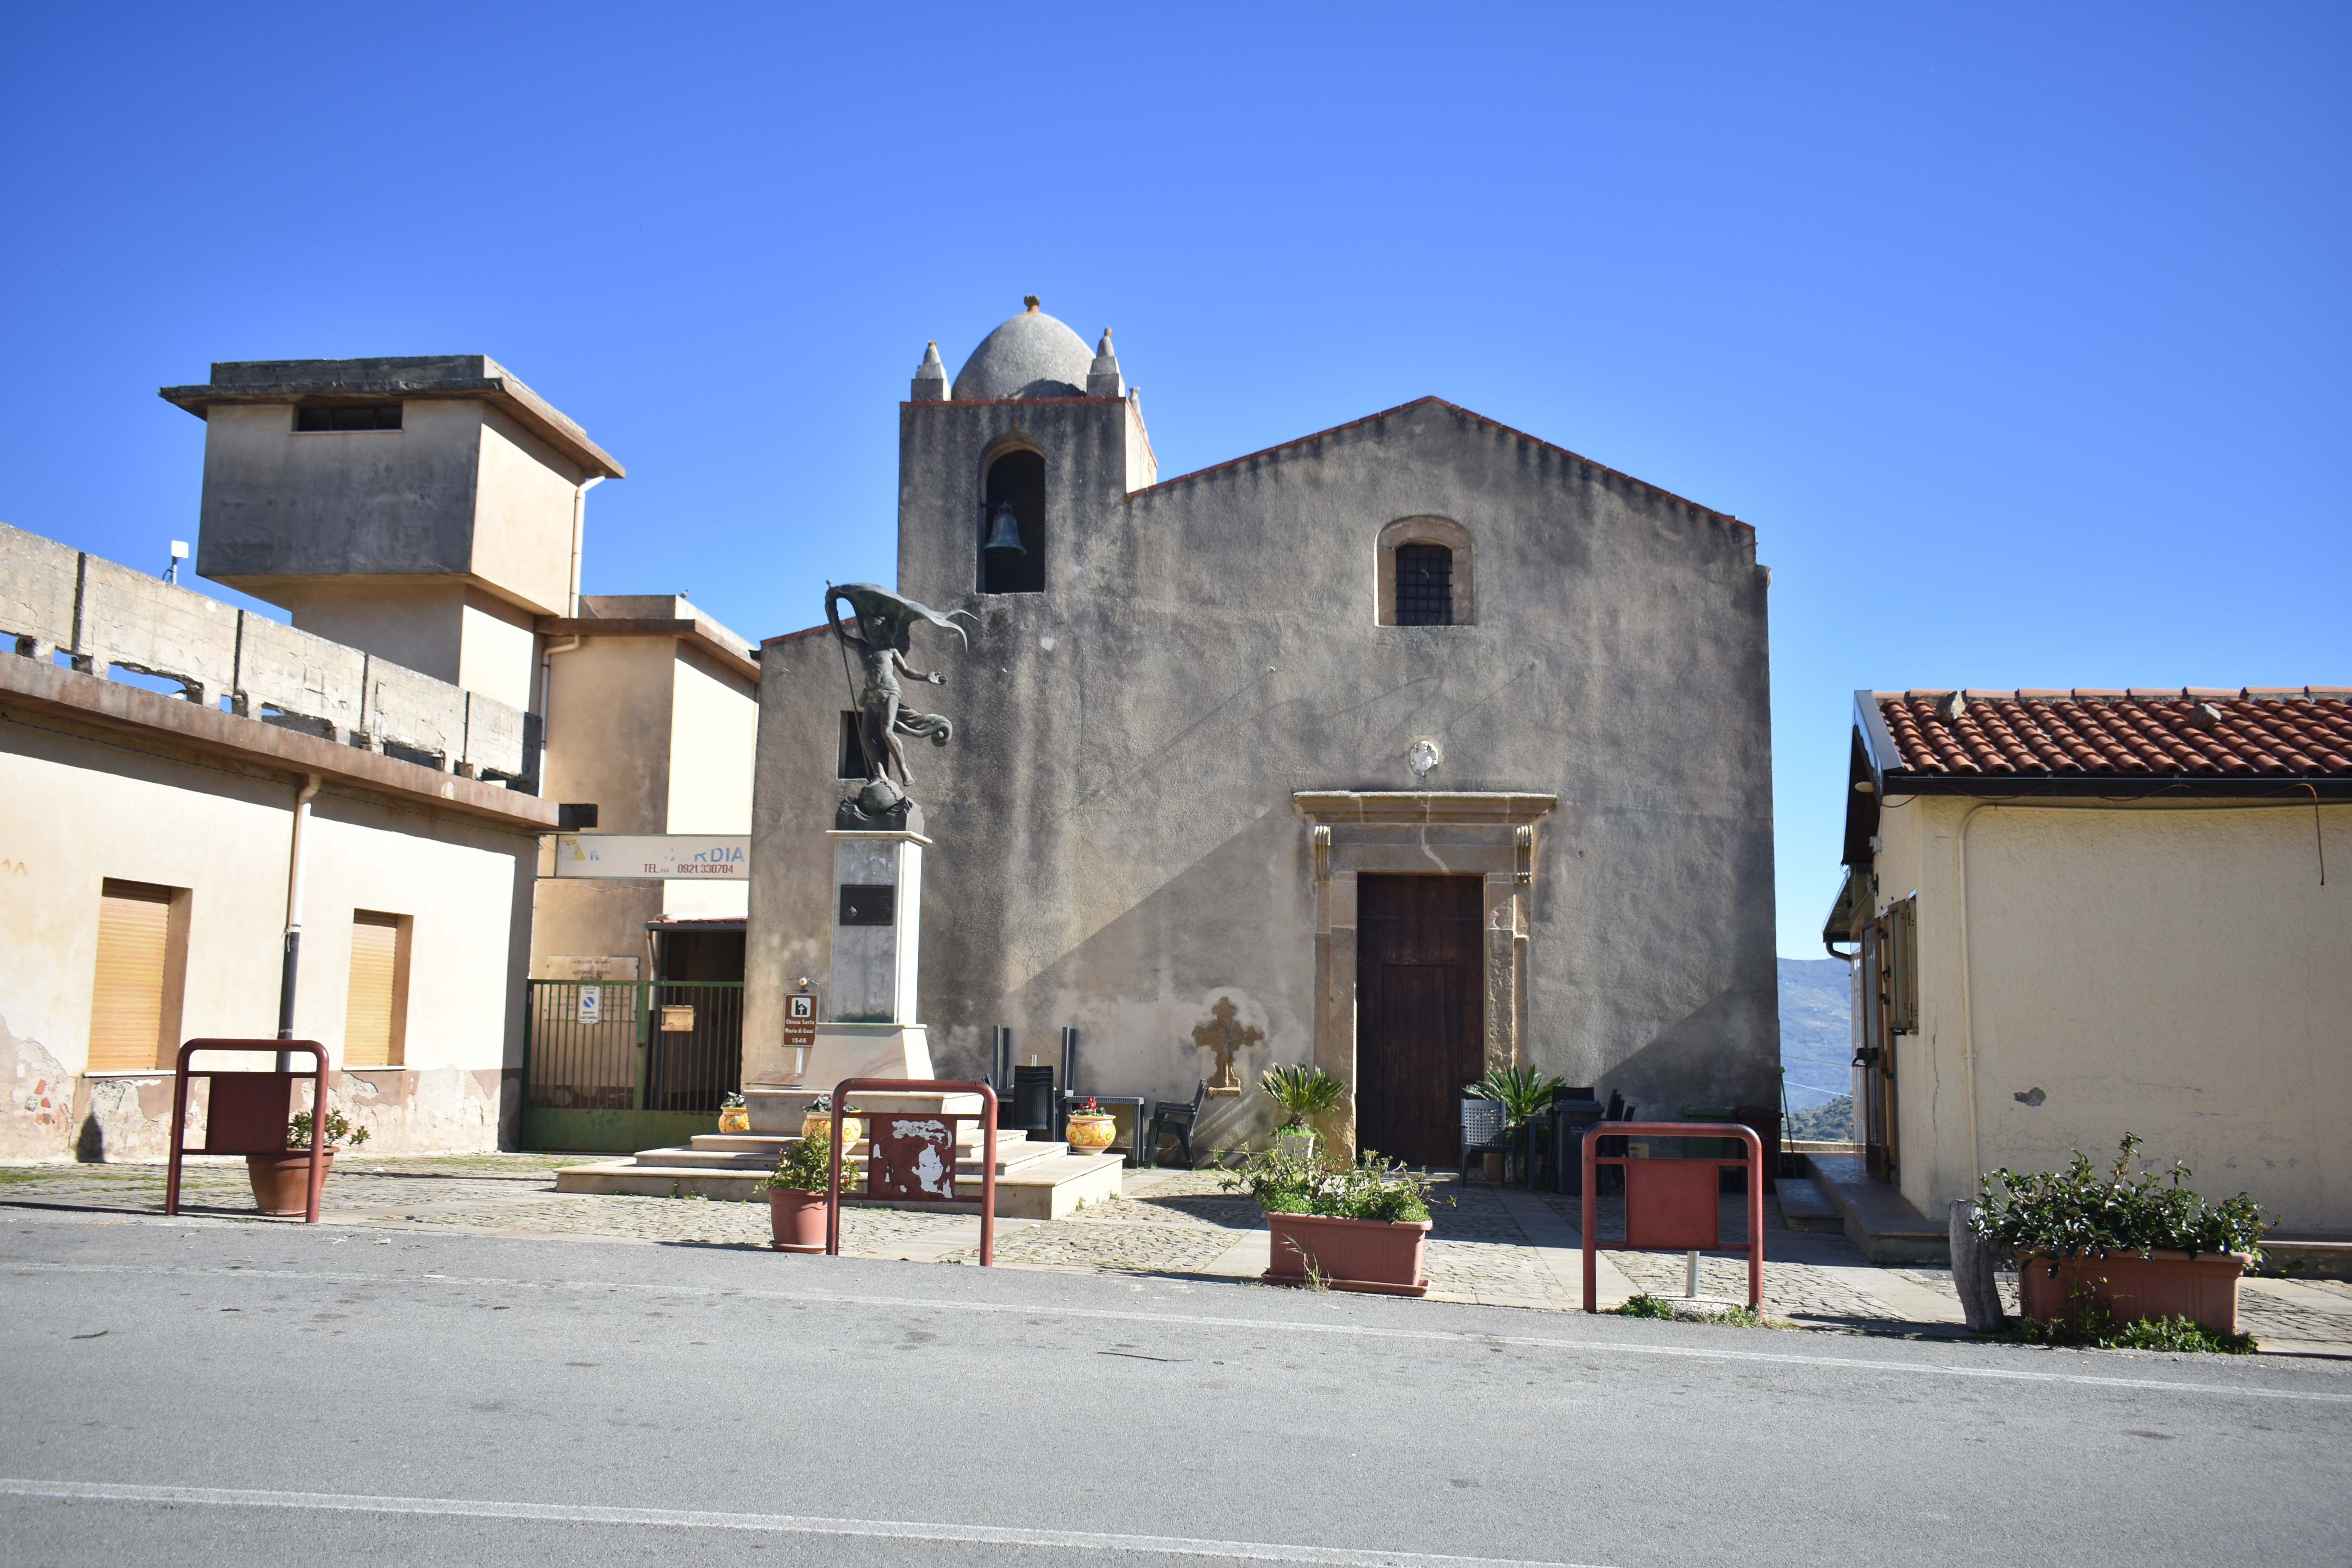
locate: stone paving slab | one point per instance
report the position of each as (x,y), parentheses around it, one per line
(1486,1244)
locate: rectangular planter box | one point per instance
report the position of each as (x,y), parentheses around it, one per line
(2162,1285)
(1380,1256)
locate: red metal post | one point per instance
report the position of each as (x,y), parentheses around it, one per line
(179,1076)
(988,1178)
(841,1093)
(1755,1164)
(1591,1258)
(179,1127)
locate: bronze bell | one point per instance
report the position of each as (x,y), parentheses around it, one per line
(1005,534)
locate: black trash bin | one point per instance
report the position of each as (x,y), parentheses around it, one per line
(1573,1113)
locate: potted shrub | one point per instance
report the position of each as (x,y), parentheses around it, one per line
(1302,1092)
(1089,1129)
(2137,1248)
(1348,1228)
(281,1182)
(797,1191)
(734,1116)
(1523,1094)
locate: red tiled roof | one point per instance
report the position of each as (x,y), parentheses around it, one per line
(2193,732)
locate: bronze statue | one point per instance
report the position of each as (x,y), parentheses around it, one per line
(883,621)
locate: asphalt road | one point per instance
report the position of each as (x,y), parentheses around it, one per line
(250,1394)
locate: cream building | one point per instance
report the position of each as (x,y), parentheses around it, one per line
(2081,914)
(442,685)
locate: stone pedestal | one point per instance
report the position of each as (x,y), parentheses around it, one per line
(877,946)
(878,880)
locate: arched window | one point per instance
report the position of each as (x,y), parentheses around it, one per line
(1425,585)
(1017,478)
(1425,574)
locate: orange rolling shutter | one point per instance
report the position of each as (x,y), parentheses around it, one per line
(126,1011)
(367,1018)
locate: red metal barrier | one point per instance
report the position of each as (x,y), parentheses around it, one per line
(987,1120)
(1671,1204)
(251,1110)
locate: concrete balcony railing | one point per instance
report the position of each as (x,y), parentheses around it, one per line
(103,616)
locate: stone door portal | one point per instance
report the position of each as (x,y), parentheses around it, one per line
(1421,1025)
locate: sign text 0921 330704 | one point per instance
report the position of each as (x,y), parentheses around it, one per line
(666,856)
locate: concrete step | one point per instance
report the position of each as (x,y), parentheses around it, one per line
(1042,1188)
(1877,1216)
(1804,1206)
(761,1162)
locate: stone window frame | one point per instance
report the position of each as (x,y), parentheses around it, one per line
(1428,529)
(1352,833)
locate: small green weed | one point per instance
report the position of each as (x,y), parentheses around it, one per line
(1645,1305)
(2088,1324)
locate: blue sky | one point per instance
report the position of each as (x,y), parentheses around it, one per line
(2019,333)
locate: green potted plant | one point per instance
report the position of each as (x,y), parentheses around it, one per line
(1302,1092)
(797,1190)
(281,1182)
(2140,1246)
(1348,1228)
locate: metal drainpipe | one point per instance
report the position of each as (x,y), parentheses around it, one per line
(294,872)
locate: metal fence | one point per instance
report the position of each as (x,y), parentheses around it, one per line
(633,1045)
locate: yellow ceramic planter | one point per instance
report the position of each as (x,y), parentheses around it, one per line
(1091,1134)
(818,1124)
(735,1119)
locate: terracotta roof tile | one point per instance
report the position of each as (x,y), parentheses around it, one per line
(2280,731)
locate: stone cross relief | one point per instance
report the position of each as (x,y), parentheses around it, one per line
(1221,1036)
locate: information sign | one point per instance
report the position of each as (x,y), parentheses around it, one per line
(666,857)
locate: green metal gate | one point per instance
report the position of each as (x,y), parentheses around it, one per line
(614,1066)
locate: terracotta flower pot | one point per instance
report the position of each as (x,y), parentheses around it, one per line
(281,1182)
(796,1219)
(1379,1256)
(1091,1134)
(2162,1285)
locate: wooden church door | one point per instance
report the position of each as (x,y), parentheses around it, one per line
(1420,1012)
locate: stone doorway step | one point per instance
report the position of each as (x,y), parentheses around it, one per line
(1035,1180)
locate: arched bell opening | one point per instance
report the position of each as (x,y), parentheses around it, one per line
(1012,524)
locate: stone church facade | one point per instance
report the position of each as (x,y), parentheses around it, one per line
(1427,745)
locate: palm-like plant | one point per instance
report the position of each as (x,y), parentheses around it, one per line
(1523,1092)
(1302,1092)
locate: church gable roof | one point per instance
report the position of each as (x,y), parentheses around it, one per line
(1284,448)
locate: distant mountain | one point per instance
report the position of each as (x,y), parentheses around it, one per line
(1816,1030)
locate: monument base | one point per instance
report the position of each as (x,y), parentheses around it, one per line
(778,1103)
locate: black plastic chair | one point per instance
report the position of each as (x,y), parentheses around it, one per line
(1175,1118)
(1484,1131)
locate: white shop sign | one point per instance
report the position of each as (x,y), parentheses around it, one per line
(670,856)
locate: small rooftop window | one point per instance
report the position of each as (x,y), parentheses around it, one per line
(376,417)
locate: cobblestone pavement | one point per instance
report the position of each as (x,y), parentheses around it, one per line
(1166,1222)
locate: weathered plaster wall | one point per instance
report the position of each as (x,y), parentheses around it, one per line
(524,497)
(87,806)
(2172,971)
(279,501)
(1116,842)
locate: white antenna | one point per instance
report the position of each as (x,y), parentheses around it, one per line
(179,554)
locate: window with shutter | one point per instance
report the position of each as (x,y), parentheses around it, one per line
(373,1013)
(126,1010)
